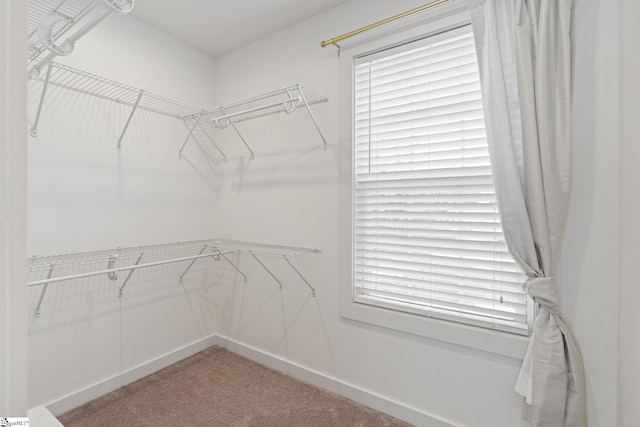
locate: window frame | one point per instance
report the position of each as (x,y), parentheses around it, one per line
(452,15)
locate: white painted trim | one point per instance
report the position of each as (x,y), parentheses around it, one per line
(514,346)
(495,342)
(41,417)
(101,388)
(318,379)
(334,385)
(13,209)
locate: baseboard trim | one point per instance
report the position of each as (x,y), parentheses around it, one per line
(334,385)
(101,388)
(318,379)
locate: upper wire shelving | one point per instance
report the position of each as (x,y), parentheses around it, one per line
(199,121)
(286,100)
(49,21)
(70,78)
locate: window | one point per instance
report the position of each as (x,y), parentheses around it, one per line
(426,233)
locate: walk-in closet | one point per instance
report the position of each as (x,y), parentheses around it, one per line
(318,213)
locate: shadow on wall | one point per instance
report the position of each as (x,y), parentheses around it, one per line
(270,145)
(89,126)
(260,313)
(86,332)
(80,133)
(84,300)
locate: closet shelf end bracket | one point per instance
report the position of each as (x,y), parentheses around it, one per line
(34,128)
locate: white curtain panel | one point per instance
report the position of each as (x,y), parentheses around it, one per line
(523,49)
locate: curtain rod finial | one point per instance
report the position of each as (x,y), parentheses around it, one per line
(326,43)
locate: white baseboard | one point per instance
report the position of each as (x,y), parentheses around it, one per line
(101,388)
(41,417)
(334,385)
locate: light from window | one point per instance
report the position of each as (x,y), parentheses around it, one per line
(427,237)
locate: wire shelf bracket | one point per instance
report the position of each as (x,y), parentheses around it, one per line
(313,291)
(213,142)
(126,126)
(266,269)
(313,118)
(121,291)
(193,128)
(244,141)
(34,128)
(278,252)
(204,248)
(232,265)
(36,312)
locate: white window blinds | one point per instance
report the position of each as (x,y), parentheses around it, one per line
(426,236)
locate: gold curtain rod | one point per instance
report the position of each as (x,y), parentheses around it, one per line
(334,41)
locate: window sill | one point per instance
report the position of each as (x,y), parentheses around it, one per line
(501,343)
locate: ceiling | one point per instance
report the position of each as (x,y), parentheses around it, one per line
(218,27)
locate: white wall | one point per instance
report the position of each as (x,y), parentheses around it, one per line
(589,265)
(295,201)
(84,195)
(272,200)
(292,198)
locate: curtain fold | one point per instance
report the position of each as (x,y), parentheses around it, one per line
(523,51)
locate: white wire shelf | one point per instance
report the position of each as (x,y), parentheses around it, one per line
(208,126)
(286,100)
(112,262)
(100,87)
(80,81)
(49,20)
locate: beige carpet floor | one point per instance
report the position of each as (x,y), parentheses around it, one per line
(218,388)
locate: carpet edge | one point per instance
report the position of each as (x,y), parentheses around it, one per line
(89,393)
(334,385)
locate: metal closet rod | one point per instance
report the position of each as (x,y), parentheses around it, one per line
(218,249)
(115,270)
(224,120)
(247,101)
(254,109)
(66,260)
(217,252)
(334,41)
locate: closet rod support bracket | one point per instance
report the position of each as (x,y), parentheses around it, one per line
(204,248)
(126,126)
(120,292)
(34,128)
(243,140)
(266,269)
(193,128)
(232,265)
(36,312)
(213,142)
(313,291)
(313,118)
